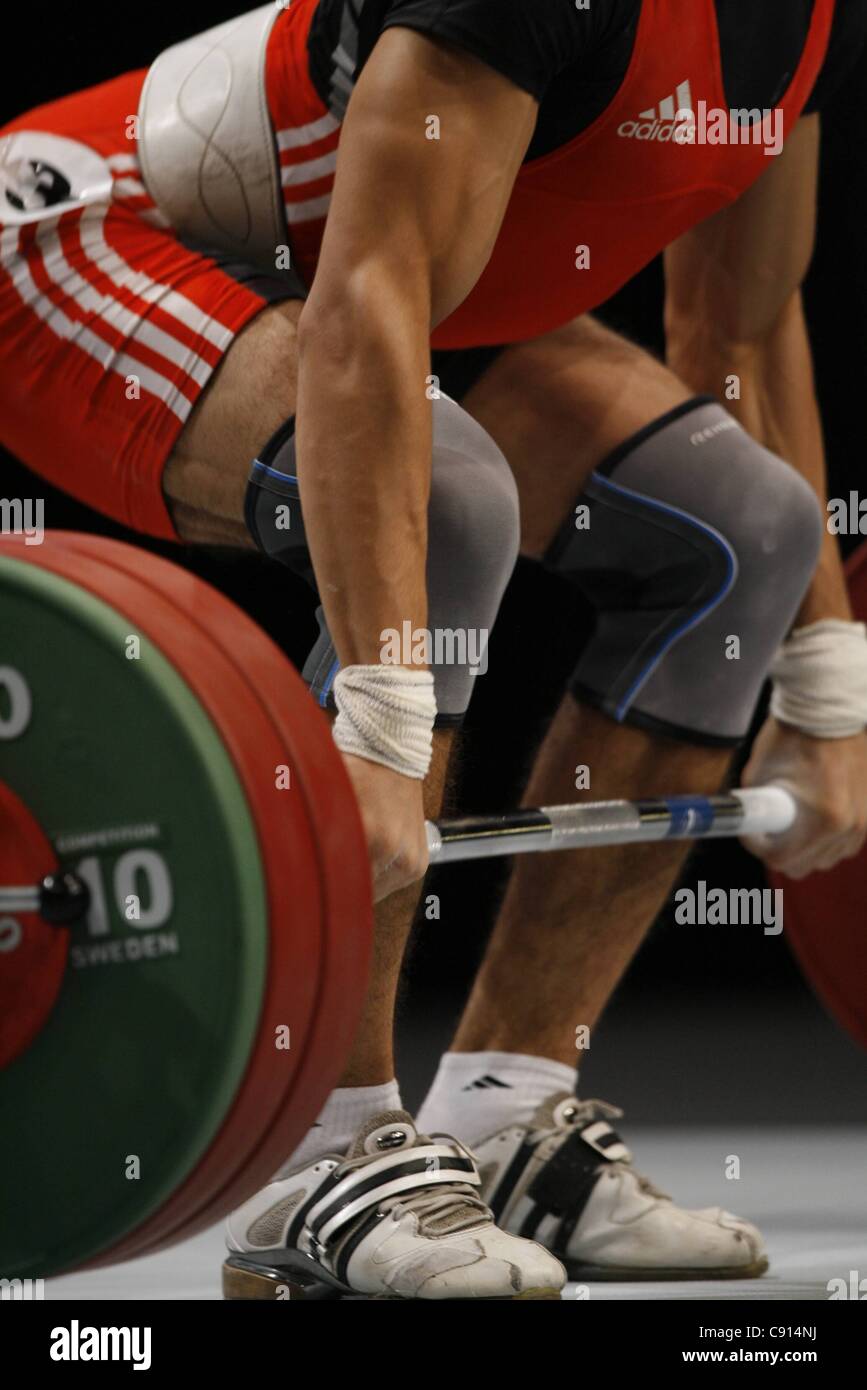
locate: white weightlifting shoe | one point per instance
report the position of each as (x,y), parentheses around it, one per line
(399,1216)
(566,1181)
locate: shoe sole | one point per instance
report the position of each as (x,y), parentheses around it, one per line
(244,1282)
(602,1274)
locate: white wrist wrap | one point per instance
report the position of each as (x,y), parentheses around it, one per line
(386,714)
(820,680)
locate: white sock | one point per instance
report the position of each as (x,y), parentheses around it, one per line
(344,1112)
(474,1094)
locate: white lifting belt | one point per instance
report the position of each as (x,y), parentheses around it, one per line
(206,146)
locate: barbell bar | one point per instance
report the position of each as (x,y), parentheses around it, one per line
(62,899)
(767,810)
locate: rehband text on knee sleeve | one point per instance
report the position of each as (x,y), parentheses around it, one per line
(698,549)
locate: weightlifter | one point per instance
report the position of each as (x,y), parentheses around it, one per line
(503,168)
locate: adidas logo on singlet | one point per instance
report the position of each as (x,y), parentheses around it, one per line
(485,1083)
(673,119)
(677,120)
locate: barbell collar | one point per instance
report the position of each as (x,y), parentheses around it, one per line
(754,811)
(60,900)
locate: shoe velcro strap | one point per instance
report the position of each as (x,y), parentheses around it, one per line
(565,1182)
(605,1140)
(425,1166)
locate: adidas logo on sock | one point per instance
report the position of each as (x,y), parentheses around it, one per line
(484,1083)
(673,119)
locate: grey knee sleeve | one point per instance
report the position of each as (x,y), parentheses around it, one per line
(698,548)
(473,539)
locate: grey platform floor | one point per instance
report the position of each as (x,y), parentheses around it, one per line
(806,1189)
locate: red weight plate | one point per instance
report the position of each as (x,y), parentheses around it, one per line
(320,779)
(825,920)
(287,850)
(32,953)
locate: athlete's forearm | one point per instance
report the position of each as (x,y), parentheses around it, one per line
(768,385)
(411,225)
(364,460)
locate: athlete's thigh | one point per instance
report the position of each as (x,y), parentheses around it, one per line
(122,349)
(250,395)
(557,406)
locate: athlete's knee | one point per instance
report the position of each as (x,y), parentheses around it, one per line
(473,521)
(696,546)
(473,540)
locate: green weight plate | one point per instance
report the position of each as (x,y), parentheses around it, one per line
(126,1086)
(321,915)
(202,634)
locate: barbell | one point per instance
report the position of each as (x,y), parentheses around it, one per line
(62,899)
(185,906)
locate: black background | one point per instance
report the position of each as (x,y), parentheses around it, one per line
(757,1043)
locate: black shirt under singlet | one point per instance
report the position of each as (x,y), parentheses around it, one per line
(574,60)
